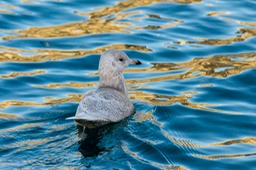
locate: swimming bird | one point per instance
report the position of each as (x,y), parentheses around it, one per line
(110,102)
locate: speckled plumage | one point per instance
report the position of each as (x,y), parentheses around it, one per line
(110,101)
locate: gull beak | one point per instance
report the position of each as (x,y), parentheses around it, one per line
(137,62)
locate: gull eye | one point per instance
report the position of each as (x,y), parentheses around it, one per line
(121,59)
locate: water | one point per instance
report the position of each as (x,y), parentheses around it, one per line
(194,94)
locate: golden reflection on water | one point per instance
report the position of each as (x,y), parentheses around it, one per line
(216,13)
(70,84)
(18,74)
(27,144)
(186,143)
(213,157)
(70,29)
(71,98)
(247,140)
(96,24)
(244,34)
(154,99)
(8,103)
(252,24)
(140,117)
(156,27)
(5,8)
(229,64)
(124,5)
(15,55)
(207,66)
(5,11)
(8,116)
(179,142)
(48,101)
(21,127)
(164,100)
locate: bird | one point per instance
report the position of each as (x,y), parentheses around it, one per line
(110,102)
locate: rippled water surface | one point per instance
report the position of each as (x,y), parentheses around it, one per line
(194,94)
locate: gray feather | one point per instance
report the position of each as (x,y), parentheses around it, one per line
(110,102)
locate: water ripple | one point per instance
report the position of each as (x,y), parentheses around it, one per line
(194,93)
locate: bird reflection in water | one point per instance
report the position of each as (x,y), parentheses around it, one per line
(90,140)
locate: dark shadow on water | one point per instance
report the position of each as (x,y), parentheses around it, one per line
(88,143)
(90,140)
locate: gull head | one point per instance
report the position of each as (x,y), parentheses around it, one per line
(114,62)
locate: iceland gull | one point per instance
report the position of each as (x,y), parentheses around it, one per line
(110,102)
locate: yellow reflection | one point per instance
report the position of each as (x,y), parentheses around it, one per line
(96,24)
(7,6)
(164,100)
(6,49)
(15,55)
(48,101)
(9,103)
(216,13)
(29,144)
(124,5)
(246,33)
(156,27)
(232,64)
(247,140)
(140,117)
(252,24)
(18,74)
(21,127)
(8,116)
(213,157)
(70,29)
(208,66)
(71,98)
(179,142)
(5,11)
(154,99)
(70,84)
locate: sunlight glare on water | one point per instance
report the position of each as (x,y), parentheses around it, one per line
(194,93)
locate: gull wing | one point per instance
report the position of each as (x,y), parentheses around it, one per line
(104,104)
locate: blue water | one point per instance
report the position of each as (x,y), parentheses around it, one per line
(194,93)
